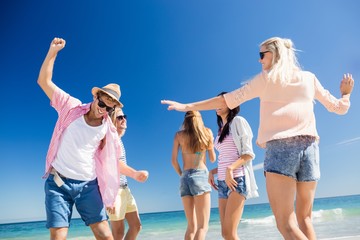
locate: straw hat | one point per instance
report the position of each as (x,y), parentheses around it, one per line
(112,89)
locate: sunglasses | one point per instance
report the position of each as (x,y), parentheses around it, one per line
(101,104)
(121,117)
(262,54)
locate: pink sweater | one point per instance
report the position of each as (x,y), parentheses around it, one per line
(287,111)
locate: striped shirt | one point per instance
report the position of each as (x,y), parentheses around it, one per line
(123,179)
(228,154)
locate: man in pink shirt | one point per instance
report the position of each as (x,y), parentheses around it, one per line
(287,130)
(81,164)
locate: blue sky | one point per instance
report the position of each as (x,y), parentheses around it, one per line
(160,49)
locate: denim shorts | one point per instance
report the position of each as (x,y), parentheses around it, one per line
(59,202)
(224,191)
(194,182)
(295,157)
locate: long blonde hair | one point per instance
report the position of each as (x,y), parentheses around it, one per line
(284,62)
(200,137)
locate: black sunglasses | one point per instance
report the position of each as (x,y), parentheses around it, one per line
(262,54)
(101,104)
(121,117)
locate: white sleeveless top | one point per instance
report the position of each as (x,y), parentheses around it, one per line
(75,156)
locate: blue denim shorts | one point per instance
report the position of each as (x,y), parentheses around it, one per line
(296,157)
(59,202)
(224,191)
(194,182)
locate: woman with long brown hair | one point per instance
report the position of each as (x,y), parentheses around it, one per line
(194,140)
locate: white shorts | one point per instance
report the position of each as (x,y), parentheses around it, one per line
(125,203)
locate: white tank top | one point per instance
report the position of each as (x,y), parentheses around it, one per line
(78,144)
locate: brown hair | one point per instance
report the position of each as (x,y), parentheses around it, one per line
(108,97)
(199,137)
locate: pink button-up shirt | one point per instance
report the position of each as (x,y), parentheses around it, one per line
(107,172)
(287,110)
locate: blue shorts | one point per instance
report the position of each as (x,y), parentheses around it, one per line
(295,157)
(194,182)
(224,191)
(59,202)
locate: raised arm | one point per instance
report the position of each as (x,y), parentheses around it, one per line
(46,71)
(208,104)
(331,103)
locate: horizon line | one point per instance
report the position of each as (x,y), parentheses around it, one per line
(21,221)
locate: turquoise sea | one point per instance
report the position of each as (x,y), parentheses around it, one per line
(334,218)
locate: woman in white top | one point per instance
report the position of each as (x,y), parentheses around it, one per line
(234,144)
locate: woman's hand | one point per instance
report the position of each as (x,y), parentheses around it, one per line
(229,179)
(347,84)
(174,105)
(110,210)
(211,181)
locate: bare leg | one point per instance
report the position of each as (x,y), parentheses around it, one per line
(222,210)
(134,223)
(281,192)
(189,209)
(101,230)
(304,203)
(202,209)
(118,229)
(58,233)
(233,212)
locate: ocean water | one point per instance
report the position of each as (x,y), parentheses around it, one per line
(334,218)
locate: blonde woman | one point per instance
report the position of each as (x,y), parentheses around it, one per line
(287,130)
(194,140)
(125,206)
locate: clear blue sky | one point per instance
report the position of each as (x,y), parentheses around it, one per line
(182,50)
